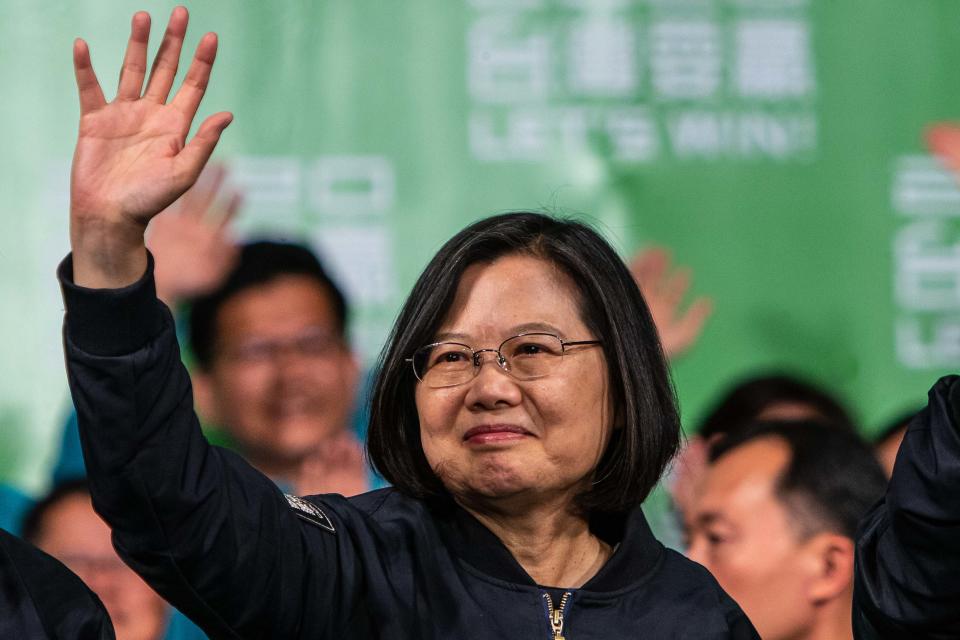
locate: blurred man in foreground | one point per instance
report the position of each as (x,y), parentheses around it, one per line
(41,599)
(65,526)
(775,520)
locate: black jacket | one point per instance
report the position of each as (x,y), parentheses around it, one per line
(40,599)
(224,545)
(908,550)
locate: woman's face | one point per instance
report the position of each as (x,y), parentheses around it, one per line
(498,437)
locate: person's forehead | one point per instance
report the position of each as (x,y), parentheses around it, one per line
(72,522)
(510,292)
(284,301)
(744,480)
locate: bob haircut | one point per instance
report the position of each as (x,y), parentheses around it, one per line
(646,424)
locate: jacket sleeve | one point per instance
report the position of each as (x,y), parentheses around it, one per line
(907,581)
(208,532)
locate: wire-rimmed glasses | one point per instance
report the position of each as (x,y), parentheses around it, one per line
(525,357)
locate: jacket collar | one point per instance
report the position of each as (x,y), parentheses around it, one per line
(637,551)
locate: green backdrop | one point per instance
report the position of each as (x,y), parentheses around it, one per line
(774,145)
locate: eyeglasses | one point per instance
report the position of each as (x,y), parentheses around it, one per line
(525,357)
(312,342)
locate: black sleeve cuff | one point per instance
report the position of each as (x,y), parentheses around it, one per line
(110,322)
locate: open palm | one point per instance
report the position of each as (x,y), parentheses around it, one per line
(132,158)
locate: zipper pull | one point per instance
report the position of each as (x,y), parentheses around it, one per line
(556,623)
(555,615)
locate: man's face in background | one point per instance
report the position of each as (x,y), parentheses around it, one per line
(282,379)
(74,534)
(741,531)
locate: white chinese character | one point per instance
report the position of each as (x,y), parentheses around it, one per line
(361,260)
(674,5)
(767,5)
(633,135)
(597,6)
(271,192)
(602,58)
(506,5)
(351,185)
(686,58)
(916,351)
(505,68)
(522,136)
(924,187)
(773,59)
(927,266)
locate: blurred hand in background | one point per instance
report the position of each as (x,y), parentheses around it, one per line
(191,241)
(664,286)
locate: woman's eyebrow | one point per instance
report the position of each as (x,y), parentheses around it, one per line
(535,326)
(526,327)
(449,335)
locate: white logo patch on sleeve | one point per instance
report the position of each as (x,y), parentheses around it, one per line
(310,512)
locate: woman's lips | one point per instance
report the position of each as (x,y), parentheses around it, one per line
(493,433)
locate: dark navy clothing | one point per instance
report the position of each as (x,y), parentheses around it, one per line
(223,544)
(908,549)
(40,599)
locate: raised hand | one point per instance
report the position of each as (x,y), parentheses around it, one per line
(944,141)
(191,242)
(132,158)
(337,466)
(664,288)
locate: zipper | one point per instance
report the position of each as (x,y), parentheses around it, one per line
(555,615)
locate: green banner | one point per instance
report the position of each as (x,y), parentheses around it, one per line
(774,145)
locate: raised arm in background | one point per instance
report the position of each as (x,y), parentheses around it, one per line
(908,549)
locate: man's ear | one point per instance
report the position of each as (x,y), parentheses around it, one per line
(831,561)
(204,397)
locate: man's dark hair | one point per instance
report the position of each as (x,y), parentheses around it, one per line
(33,520)
(745,401)
(647,426)
(259,263)
(831,480)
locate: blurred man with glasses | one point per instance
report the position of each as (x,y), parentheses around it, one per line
(275,372)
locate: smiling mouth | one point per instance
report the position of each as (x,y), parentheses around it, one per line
(493,433)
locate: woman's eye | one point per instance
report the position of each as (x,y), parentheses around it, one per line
(449,357)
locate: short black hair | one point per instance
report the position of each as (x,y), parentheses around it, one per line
(33,519)
(745,401)
(644,404)
(259,263)
(831,480)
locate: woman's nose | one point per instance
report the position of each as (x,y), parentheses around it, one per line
(492,387)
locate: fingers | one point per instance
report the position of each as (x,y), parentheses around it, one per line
(194,156)
(944,141)
(648,267)
(230,212)
(135,60)
(194,85)
(687,329)
(198,200)
(674,287)
(168,57)
(88,87)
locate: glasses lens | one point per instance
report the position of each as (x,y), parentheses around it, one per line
(443,365)
(532,355)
